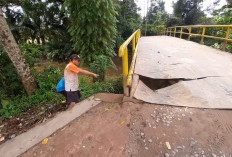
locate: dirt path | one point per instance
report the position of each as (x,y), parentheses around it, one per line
(142,130)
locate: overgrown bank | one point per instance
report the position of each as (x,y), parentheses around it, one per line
(13,99)
(46,93)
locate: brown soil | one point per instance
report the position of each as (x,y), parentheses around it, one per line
(142,130)
(10,128)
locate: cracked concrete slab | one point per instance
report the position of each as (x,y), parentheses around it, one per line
(202,75)
(163,57)
(204,93)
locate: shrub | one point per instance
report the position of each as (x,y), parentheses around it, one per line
(58,50)
(32,53)
(112,85)
(46,93)
(100,65)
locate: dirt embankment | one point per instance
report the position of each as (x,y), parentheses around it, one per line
(141,129)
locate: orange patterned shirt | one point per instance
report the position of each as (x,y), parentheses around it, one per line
(71,77)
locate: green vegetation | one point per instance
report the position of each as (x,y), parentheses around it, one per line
(52,30)
(96,30)
(155,21)
(13,99)
(100,66)
(91,21)
(46,93)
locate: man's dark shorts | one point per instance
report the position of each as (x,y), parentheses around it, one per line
(73,96)
(64,93)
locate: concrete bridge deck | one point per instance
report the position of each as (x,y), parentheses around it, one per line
(177,72)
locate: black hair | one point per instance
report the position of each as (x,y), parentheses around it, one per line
(75,56)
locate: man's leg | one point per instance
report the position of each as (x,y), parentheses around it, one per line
(72,98)
(72,104)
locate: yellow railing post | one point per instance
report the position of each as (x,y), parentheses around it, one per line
(202,35)
(123,52)
(133,43)
(170,32)
(175,32)
(181,30)
(227,37)
(132,67)
(125,71)
(137,38)
(190,31)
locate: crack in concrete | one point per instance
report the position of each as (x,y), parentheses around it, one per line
(156,84)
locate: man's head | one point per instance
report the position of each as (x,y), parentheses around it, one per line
(75,59)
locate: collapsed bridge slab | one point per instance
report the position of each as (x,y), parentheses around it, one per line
(195,75)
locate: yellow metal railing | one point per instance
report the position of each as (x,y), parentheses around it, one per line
(174,31)
(123,52)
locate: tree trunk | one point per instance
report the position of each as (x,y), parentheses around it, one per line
(43,39)
(15,55)
(32,39)
(38,40)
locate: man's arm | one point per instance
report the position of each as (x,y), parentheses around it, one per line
(85,72)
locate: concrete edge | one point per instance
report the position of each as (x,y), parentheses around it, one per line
(133,100)
(25,141)
(115,98)
(109,97)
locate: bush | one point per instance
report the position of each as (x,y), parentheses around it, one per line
(46,93)
(32,53)
(153,29)
(112,85)
(9,79)
(58,50)
(55,50)
(100,65)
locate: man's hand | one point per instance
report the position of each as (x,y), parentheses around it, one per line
(95,75)
(85,72)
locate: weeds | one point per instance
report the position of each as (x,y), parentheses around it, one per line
(46,93)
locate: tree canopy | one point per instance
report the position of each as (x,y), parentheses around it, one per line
(93,27)
(188,10)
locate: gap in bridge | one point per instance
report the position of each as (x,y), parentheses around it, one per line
(156,84)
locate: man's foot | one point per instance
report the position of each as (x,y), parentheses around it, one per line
(72,104)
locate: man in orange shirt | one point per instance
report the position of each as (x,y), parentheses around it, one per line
(71,73)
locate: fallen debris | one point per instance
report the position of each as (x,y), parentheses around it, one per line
(150,140)
(122,122)
(45,141)
(12,127)
(142,134)
(109,107)
(168,145)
